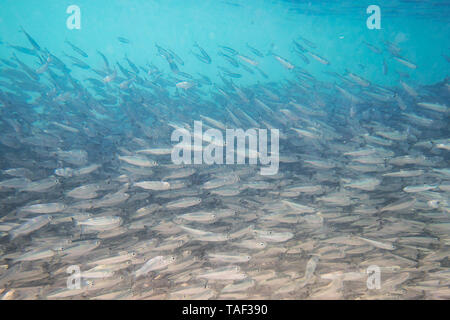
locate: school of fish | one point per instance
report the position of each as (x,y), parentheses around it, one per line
(87,181)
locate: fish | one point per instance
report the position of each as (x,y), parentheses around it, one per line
(15,183)
(176,57)
(77,50)
(378,244)
(156,151)
(401,204)
(30,226)
(405,62)
(31,40)
(434,106)
(248,60)
(283,62)
(153,185)
(299,47)
(229,257)
(229,73)
(271,236)
(301,55)
(105,60)
(318,58)
(230,59)
(41,185)
(298,208)
(404,173)
(139,161)
(132,65)
(255,51)
(251,244)
(28,51)
(154,264)
(185,85)
(183,203)
(225,273)
(239,286)
(100,221)
(385,67)
(78,63)
(44,207)
(311,266)
(362,82)
(229,50)
(36,255)
(307,42)
(199,216)
(368,184)
(80,248)
(204,57)
(123,40)
(372,47)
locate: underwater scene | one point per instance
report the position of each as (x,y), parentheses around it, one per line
(224,149)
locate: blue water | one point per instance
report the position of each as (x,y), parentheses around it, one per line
(420,29)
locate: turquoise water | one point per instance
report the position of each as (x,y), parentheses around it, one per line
(359,137)
(338,28)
